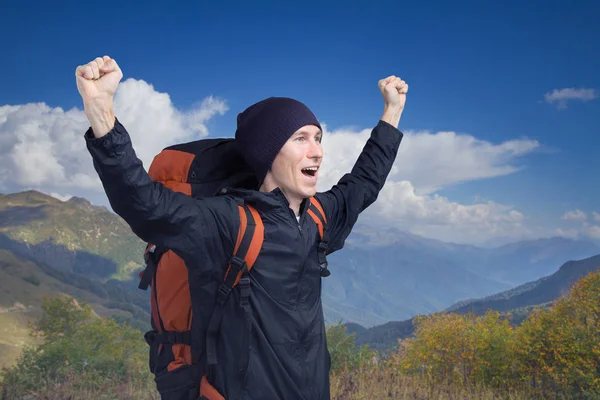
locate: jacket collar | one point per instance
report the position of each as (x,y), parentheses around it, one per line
(264,200)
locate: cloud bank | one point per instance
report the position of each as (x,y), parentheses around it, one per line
(42,148)
(426,163)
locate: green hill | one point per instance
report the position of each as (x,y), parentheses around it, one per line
(49,248)
(25,283)
(72,236)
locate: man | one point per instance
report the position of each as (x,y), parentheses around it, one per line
(286,356)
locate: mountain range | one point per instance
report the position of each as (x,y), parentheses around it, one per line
(515,303)
(414,275)
(74,247)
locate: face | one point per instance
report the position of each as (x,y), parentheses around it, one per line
(296,168)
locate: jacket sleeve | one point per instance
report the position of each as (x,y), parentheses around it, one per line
(358,189)
(155,213)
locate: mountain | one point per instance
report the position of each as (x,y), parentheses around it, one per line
(517,302)
(72,236)
(525,261)
(541,291)
(374,285)
(50,248)
(369,285)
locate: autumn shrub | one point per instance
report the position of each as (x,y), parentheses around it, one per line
(554,353)
(461,349)
(558,349)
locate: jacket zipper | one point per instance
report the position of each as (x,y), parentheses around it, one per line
(296,220)
(302,215)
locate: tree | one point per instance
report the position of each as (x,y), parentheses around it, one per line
(61,317)
(344,352)
(83,352)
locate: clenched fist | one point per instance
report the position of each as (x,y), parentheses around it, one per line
(97,83)
(98,79)
(393,90)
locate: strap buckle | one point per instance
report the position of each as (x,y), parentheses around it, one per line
(224,291)
(323,264)
(244,285)
(239,263)
(322,246)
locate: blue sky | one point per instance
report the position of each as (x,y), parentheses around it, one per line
(474,68)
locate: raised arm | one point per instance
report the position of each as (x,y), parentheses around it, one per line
(155,213)
(358,189)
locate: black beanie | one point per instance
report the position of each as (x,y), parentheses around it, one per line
(264,127)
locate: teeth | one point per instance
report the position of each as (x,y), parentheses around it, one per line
(311,168)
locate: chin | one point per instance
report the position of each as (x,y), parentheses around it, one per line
(303,190)
(310,192)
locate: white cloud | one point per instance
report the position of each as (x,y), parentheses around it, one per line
(426,163)
(568,233)
(561,96)
(592,231)
(61,197)
(154,123)
(584,229)
(429,161)
(43,147)
(574,215)
(437,217)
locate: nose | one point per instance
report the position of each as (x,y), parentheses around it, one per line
(315,150)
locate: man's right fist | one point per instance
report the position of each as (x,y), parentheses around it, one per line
(97,80)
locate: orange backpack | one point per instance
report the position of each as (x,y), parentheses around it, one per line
(200,169)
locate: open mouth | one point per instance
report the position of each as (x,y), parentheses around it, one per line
(310,171)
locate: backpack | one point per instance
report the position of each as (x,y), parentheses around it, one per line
(182,353)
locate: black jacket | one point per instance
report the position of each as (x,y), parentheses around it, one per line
(287,357)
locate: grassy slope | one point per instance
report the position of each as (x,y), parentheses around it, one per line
(23,285)
(34,217)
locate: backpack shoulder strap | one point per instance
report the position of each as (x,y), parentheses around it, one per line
(318,215)
(248,244)
(247,247)
(315,210)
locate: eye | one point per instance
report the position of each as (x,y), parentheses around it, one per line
(300,138)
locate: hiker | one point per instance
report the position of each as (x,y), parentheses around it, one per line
(271,341)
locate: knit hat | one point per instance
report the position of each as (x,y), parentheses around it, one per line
(264,127)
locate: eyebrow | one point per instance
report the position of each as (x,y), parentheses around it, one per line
(319,133)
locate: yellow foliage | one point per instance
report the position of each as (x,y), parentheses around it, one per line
(560,347)
(555,351)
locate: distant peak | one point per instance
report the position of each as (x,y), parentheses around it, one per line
(29,197)
(79,201)
(82,203)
